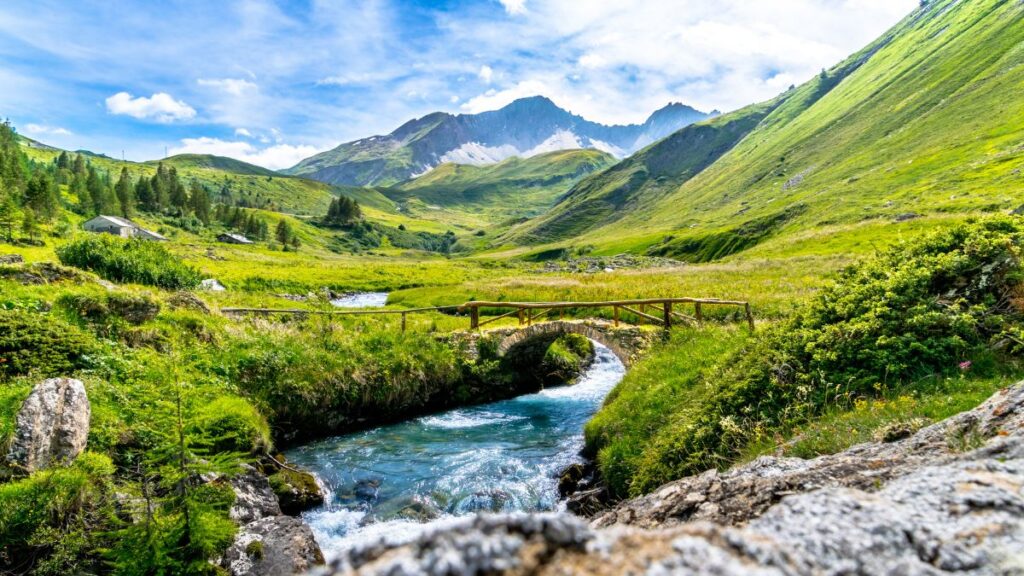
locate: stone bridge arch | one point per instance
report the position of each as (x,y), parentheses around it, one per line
(625,342)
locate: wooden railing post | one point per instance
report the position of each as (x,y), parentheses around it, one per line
(643,310)
(668,315)
(698,313)
(403,321)
(750,316)
(529,317)
(474,318)
(520,316)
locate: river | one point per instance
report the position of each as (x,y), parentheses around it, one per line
(362,300)
(499,457)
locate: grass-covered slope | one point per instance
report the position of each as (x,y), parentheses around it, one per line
(513,188)
(923,329)
(927,119)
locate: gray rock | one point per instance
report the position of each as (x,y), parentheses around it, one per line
(11,259)
(273,546)
(52,426)
(254,498)
(184,300)
(212,284)
(745,492)
(924,505)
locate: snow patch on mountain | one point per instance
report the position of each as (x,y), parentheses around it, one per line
(560,140)
(608,148)
(477,154)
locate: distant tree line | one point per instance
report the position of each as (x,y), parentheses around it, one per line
(30,195)
(243,221)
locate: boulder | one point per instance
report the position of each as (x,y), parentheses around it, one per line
(275,545)
(212,284)
(52,426)
(297,491)
(254,498)
(40,273)
(7,259)
(184,300)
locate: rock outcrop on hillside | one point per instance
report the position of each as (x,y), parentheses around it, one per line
(52,426)
(949,498)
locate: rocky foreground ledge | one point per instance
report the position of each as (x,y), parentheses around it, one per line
(948,498)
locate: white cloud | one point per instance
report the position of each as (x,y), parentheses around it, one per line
(454,99)
(494,99)
(615,62)
(514,6)
(486,74)
(232,86)
(43,130)
(243,132)
(592,61)
(160,107)
(273,157)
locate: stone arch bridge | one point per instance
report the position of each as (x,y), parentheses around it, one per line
(626,342)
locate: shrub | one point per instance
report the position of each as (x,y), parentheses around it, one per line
(40,344)
(232,424)
(916,309)
(131,308)
(135,260)
(53,522)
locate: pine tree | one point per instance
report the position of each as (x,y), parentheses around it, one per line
(80,190)
(144,194)
(283,233)
(63,161)
(41,196)
(29,224)
(8,215)
(98,192)
(13,164)
(79,166)
(177,195)
(199,201)
(125,193)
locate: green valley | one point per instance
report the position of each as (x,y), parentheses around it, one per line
(208,366)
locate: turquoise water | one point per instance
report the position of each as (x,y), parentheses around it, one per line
(499,457)
(362,300)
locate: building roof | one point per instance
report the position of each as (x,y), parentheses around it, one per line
(236,237)
(116,221)
(150,233)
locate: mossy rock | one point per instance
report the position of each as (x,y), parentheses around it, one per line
(296,491)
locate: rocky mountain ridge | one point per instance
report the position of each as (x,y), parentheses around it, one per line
(524,128)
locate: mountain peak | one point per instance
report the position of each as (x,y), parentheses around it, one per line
(524,127)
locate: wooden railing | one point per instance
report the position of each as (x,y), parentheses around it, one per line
(664,312)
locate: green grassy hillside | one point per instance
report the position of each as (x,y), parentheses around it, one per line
(513,188)
(924,121)
(244,182)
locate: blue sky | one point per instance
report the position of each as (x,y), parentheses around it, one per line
(271,82)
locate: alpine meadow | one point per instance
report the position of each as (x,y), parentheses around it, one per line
(646,287)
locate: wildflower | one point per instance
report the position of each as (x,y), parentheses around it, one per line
(965,365)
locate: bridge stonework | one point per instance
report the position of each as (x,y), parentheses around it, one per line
(626,342)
